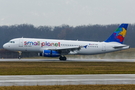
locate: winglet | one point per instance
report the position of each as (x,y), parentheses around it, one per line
(119,34)
(85,46)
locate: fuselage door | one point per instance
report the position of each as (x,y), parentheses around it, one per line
(103,47)
(21,42)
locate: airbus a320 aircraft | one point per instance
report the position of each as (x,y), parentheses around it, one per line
(60,48)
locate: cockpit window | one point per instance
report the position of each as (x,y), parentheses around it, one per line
(11,42)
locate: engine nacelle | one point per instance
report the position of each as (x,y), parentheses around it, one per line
(50,53)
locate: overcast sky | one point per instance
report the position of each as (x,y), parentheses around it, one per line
(70,12)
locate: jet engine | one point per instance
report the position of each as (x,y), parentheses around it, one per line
(49,53)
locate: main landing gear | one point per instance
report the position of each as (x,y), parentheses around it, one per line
(62,58)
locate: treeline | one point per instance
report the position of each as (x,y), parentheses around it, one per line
(65,32)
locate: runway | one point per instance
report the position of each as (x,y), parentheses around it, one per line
(30,80)
(71,60)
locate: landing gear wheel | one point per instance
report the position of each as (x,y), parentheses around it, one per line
(19,57)
(62,58)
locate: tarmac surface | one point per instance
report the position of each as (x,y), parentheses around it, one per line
(74,60)
(103,79)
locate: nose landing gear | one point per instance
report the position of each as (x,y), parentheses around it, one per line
(20,53)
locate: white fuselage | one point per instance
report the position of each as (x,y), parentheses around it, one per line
(38,45)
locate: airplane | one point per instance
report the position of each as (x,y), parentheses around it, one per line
(60,48)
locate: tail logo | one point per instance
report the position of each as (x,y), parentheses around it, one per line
(120,34)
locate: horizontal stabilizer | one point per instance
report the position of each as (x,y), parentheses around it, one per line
(119,47)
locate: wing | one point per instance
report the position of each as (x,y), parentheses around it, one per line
(65,50)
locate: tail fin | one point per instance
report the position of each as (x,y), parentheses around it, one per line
(119,34)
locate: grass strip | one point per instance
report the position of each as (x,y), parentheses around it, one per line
(57,68)
(71,87)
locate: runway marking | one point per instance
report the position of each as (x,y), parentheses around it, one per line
(30,80)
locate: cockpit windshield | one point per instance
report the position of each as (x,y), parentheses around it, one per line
(11,42)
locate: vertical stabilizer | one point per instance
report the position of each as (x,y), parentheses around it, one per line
(119,34)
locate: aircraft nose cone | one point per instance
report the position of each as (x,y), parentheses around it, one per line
(5,46)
